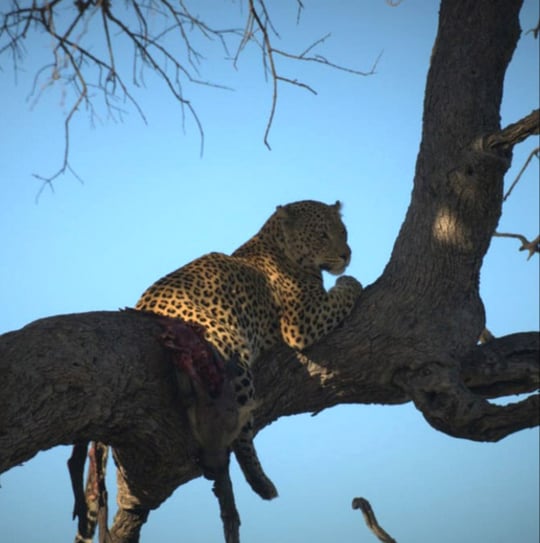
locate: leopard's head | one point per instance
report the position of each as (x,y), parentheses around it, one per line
(314,236)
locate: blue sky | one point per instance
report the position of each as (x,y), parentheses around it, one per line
(149,203)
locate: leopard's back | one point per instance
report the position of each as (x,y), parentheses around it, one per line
(232,300)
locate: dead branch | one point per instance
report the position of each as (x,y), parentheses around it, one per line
(534,152)
(75,65)
(371,520)
(262,23)
(268,56)
(322,60)
(73,61)
(526,245)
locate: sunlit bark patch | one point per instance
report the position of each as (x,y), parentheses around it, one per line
(448,229)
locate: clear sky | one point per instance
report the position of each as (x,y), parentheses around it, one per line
(149,203)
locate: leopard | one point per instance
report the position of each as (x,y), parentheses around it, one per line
(269,290)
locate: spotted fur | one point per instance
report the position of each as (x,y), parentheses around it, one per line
(270,289)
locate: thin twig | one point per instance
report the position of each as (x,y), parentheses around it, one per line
(73,61)
(526,245)
(111,76)
(82,96)
(299,11)
(269,61)
(321,60)
(314,44)
(268,53)
(534,152)
(267,20)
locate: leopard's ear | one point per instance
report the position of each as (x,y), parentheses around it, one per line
(338,206)
(284,212)
(287,215)
(281,211)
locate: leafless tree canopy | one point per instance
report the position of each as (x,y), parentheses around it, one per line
(167,38)
(413,335)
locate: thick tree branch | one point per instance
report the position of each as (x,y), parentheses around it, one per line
(105,376)
(438,392)
(503,366)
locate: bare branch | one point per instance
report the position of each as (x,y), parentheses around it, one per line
(267,53)
(81,97)
(314,44)
(321,60)
(47,182)
(299,11)
(534,152)
(503,366)
(516,132)
(143,49)
(267,20)
(269,61)
(526,245)
(371,520)
(438,391)
(111,76)
(73,61)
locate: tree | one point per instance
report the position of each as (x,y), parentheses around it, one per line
(415,330)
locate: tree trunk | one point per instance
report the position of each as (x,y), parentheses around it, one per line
(412,336)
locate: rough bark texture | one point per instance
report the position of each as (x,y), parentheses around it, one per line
(412,336)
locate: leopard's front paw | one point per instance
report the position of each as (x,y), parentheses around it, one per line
(350,284)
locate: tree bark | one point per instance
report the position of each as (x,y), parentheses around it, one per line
(412,336)
(106,376)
